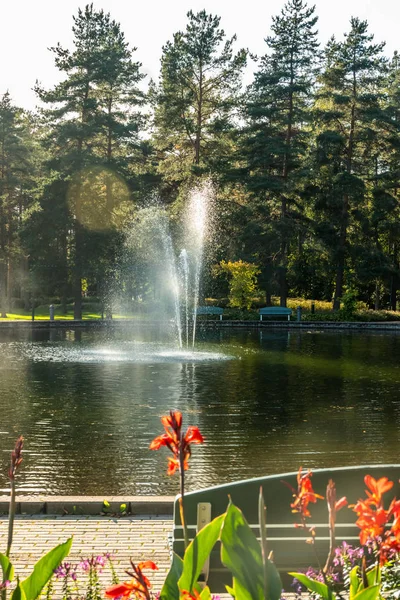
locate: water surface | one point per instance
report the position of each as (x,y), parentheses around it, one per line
(89,402)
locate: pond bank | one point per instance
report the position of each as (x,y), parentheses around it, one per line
(89,505)
(209,324)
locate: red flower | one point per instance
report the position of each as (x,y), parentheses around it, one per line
(373,519)
(304,495)
(175,441)
(139,585)
(185,595)
(378,488)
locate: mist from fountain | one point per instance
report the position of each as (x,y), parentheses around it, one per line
(175,269)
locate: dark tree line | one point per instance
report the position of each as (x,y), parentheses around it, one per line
(306,161)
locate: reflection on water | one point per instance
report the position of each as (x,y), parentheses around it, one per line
(88,403)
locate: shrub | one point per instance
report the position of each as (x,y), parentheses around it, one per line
(242,282)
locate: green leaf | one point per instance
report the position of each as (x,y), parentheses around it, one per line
(18,593)
(197,553)
(369,593)
(354,582)
(206,594)
(6,567)
(274,583)
(170,590)
(241,554)
(373,576)
(43,570)
(315,586)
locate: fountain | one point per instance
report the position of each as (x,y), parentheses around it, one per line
(176,272)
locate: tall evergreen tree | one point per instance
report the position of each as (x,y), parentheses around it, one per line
(16,172)
(196,96)
(277,114)
(92,126)
(350,121)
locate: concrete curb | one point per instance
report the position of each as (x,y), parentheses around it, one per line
(89,505)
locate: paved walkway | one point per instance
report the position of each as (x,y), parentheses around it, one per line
(138,537)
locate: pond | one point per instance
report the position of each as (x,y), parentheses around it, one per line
(88,403)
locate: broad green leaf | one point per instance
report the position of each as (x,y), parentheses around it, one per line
(170,590)
(6,567)
(241,554)
(373,576)
(197,553)
(314,586)
(18,593)
(274,583)
(354,582)
(230,590)
(206,594)
(43,570)
(369,593)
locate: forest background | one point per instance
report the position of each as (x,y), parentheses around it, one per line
(305,164)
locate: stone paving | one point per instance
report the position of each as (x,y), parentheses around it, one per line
(137,537)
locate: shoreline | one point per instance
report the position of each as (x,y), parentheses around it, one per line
(89,505)
(288,325)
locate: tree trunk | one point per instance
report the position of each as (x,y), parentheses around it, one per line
(9,285)
(377,305)
(342,256)
(3,290)
(199,117)
(394,281)
(346,201)
(77,278)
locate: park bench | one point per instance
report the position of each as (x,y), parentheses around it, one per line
(210,310)
(291,552)
(275,311)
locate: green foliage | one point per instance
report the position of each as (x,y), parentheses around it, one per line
(241,554)
(170,589)
(43,571)
(196,96)
(197,552)
(242,282)
(349,300)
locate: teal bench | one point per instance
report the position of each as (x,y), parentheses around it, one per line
(210,310)
(275,311)
(291,552)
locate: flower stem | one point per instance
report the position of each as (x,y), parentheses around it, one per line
(11,516)
(181,499)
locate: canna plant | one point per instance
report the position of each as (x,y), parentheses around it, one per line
(254,574)
(180,445)
(31,587)
(379,530)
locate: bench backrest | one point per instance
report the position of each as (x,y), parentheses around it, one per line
(275,310)
(291,552)
(209,310)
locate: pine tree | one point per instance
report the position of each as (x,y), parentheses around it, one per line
(92,131)
(275,140)
(16,172)
(196,97)
(350,121)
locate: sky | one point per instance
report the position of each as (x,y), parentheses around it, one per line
(30,27)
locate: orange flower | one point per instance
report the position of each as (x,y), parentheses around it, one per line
(176,442)
(378,488)
(304,495)
(185,595)
(139,585)
(373,519)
